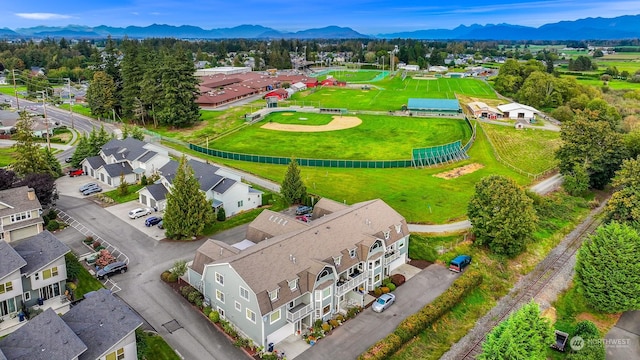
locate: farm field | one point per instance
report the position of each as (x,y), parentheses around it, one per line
(613,84)
(392,93)
(529,150)
(377,138)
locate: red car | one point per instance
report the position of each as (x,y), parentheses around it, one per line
(303,218)
(76,172)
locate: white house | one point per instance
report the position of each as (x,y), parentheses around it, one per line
(298,86)
(517,111)
(224,188)
(128,157)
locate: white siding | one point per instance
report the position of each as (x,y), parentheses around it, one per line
(16,282)
(41,282)
(129,346)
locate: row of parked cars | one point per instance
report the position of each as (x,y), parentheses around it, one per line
(90,188)
(148,222)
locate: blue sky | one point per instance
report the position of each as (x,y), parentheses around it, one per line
(364,16)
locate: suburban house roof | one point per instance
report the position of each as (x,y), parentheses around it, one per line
(157,191)
(224,185)
(16,200)
(269,224)
(95,161)
(101,320)
(303,252)
(125,149)
(516,106)
(11,260)
(45,337)
(326,206)
(115,170)
(205,173)
(39,251)
(210,251)
(147,156)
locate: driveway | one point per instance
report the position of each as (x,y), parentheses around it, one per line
(69,186)
(623,340)
(122,212)
(357,335)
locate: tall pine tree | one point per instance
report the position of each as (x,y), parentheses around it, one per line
(178,106)
(188,210)
(293,189)
(29,158)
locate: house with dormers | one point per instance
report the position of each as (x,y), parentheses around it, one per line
(100,327)
(224,188)
(128,157)
(33,274)
(20,212)
(288,273)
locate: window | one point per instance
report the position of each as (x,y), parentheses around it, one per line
(240,203)
(386,234)
(244,293)
(21,216)
(375,245)
(221,312)
(400,243)
(293,284)
(273,295)
(27,296)
(6,287)
(54,271)
(46,274)
(238,306)
(326,292)
(352,253)
(116,355)
(378,262)
(37,276)
(251,316)
(326,310)
(336,260)
(220,296)
(220,279)
(274,317)
(376,278)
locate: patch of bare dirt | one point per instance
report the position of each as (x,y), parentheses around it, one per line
(420,264)
(338,123)
(457,172)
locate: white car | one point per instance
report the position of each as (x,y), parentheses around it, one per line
(136,213)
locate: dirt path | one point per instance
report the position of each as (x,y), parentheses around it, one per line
(338,123)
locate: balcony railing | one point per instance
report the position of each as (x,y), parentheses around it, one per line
(389,257)
(298,312)
(344,286)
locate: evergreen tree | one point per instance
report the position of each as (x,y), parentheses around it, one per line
(524,335)
(101,94)
(624,204)
(83,151)
(55,168)
(608,270)
(132,67)
(97,139)
(123,188)
(29,157)
(577,182)
(222,215)
(292,188)
(592,350)
(502,215)
(178,106)
(188,210)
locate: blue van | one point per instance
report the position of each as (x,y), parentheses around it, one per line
(459,263)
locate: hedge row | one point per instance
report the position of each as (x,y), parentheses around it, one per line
(418,322)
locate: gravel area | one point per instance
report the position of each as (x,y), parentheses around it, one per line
(560,281)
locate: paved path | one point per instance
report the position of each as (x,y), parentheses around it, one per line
(623,340)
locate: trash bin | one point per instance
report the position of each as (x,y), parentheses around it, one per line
(270,347)
(40,301)
(21,316)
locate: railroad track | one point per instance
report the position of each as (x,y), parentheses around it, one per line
(539,278)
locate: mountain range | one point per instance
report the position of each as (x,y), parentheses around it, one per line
(622,27)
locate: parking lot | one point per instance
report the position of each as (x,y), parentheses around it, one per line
(69,186)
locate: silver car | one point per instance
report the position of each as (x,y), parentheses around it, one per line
(383,302)
(87,186)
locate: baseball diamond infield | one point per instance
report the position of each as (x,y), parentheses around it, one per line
(338,123)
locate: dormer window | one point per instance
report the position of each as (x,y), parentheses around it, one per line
(352,253)
(337,260)
(398,228)
(375,245)
(293,284)
(386,234)
(273,295)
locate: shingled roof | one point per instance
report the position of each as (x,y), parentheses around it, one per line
(11,260)
(39,251)
(16,200)
(205,173)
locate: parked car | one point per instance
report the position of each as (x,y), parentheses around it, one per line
(92,190)
(459,263)
(303,218)
(76,172)
(383,302)
(67,159)
(153,220)
(302,209)
(87,185)
(138,212)
(113,268)
(160,225)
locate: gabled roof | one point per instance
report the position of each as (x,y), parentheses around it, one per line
(210,251)
(16,200)
(95,161)
(115,170)
(516,106)
(224,185)
(125,149)
(205,173)
(101,320)
(11,260)
(39,250)
(157,191)
(45,337)
(269,224)
(147,156)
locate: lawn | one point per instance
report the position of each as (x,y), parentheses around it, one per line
(353,76)
(530,150)
(86,283)
(391,94)
(131,195)
(613,84)
(153,346)
(377,138)
(6,156)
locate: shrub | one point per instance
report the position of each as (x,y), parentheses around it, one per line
(326,327)
(193,296)
(214,317)
(173,277)
(88,240)
(199,301)
(105,258)
(186,290)
(100,247)
(391,287)
(221,215)
(377,291)
(340,317)
(385,289)
(398,279)
(165,276)
(144,181)
(207,311)
(72,286)
(53,225)
(95,244)
(334,323)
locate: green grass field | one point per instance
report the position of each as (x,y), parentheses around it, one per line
(529,150)
(613,84)
(377,138)
(6,156)
(354,76)
(391,94)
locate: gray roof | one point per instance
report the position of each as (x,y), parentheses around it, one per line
(45,337)
(205,173)
(2,357)
(101,320)
(39,251)
(115,170)
(11,260)
(147,156)
(224,185)
(125,149)
(157,191)
(95,161)
(16,200)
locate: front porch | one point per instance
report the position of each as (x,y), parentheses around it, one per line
(11,322)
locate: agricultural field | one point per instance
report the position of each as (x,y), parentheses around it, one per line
(530,150)
(376,138)
(392,93)
(612,84)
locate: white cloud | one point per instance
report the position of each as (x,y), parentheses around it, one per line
(42,16)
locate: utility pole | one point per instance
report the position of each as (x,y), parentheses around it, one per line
(15,89)
(70,102)
(46,121)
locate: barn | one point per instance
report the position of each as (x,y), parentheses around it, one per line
(518,111)
(419,106)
